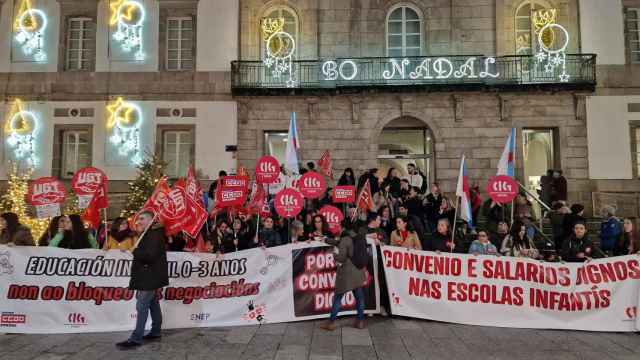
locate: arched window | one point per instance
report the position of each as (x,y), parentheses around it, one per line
(404,31)
(525,37)
(290,23)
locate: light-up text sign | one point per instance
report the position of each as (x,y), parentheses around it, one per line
(439,68)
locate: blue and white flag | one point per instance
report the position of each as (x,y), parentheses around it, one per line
(293,144)
(464,193)
(506,163)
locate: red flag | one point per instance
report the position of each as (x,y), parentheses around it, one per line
(91,214)
(326,164)
(99,200)
(257,199)
(365,199)
(180,212)
(192,186)
(161,191)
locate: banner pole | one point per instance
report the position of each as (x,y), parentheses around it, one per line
(455,220)
(106,228)
(255,240)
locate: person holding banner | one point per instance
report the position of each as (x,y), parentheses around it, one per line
(320,229)
(148,274)
(578,247)
(404,236)
(72,234)
(13,232)
(120,236)
(268,236)
(518,243)
(349,277)
(441,238)
(482,246)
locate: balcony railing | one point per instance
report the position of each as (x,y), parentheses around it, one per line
(438,72)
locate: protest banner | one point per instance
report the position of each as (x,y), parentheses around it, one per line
(52,290)
(86,182)
(600,295)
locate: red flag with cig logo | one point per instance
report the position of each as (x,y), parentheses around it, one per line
(365,199)
(326,164)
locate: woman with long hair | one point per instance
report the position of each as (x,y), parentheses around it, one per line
(72,234)
(320,229)
(628,242)
(518,244)
(52,229)
(347,178)
(13,232)
(404,235)
(237,237)
(121,237)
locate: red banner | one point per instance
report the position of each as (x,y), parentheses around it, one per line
(195,215)
(365,199)
(267,170)
(333,217)
(192,186)
(312,185)
(344,194)
(326,164)
(45,191)
(288,203)
(232,191)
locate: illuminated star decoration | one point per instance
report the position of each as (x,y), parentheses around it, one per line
(128,18)
(553,58)
(280,48)
(20,127)
(124,120)
(29,27)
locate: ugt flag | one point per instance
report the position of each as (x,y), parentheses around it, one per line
(462,191)
(506,163)
(293,144)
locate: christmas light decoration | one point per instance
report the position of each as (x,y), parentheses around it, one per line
(550,54)
(150,171)
(280,47)
(29,28)
(128,17)
(14,200)
(124,120)
(21,127)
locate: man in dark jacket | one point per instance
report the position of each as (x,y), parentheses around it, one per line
(148,274)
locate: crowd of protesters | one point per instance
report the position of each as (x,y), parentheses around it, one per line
(407,212)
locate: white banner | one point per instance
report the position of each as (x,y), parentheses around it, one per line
(601,295)
(50,290)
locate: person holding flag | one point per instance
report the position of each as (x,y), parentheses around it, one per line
(148,274)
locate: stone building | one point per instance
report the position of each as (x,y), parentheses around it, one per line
(379,83)
(345,102)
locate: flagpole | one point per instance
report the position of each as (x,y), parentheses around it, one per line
(106,228)
(515,162)
(455,220)
(145,231)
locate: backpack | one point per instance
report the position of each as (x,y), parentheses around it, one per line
(360,256)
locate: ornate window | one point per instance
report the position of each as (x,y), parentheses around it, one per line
(525,30)
(290,25)
(180,43)
(404,31)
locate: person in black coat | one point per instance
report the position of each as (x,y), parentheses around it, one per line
(577,247)
(268,236)
(347,178)
(149,273)
(441,239)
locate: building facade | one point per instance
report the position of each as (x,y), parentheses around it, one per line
(385,83)
(103,83)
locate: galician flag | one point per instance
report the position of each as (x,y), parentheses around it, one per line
(506,163)
(462,191)
(293,144)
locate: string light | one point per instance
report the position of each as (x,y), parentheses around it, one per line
(280,47)
(550,54)
(124,121)
(14,201)
(128,17)
(21,127)
(29,28)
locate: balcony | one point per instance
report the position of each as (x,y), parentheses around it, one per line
(444,73)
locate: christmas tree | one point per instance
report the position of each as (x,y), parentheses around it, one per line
(150,171)
(71,204)
(14,200)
